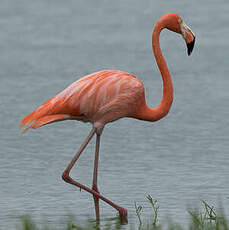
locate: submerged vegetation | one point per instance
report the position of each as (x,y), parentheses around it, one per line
(205,219)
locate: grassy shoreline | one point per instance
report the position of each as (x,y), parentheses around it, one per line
(205,219)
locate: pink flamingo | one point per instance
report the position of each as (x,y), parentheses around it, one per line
(106,96)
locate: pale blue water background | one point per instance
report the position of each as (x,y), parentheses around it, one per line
(46,45)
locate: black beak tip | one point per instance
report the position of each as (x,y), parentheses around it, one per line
(190,46)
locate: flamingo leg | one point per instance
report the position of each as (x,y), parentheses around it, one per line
(94,185)
(66,177)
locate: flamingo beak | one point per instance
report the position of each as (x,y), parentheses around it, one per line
(190,46)
(188,36)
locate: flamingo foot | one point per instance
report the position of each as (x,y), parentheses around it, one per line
(123,216)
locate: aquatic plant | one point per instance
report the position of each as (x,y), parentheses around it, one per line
(155,209)
(206,219)
(138,210)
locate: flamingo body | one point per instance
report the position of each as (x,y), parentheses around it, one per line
(103,96)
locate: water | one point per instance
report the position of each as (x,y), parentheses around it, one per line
(46,45)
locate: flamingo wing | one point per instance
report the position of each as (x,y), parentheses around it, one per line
(91,96)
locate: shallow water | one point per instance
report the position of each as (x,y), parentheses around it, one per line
(46,45)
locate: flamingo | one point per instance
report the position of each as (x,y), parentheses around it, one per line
(106,96)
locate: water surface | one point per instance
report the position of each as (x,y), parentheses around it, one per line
(46,45)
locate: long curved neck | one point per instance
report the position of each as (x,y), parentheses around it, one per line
(154,114)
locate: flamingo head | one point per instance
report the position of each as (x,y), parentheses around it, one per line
(175,23)
(188,36)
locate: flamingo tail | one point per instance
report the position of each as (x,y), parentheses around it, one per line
(46,120)
(43,115)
